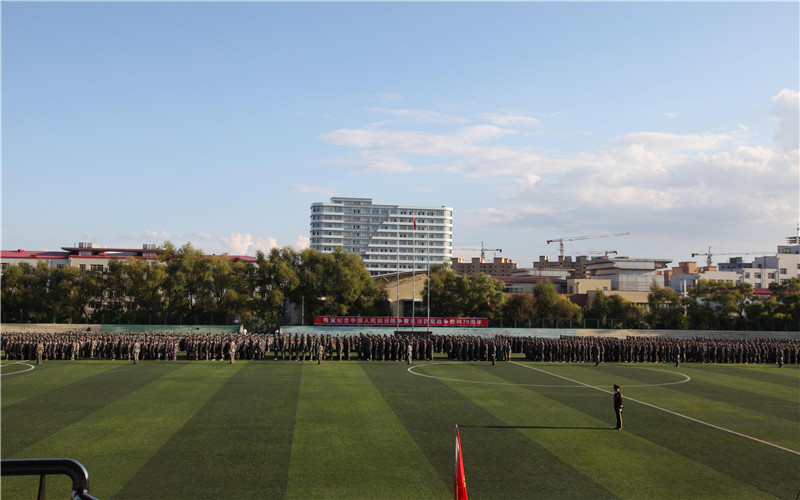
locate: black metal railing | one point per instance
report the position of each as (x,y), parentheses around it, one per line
(43,467)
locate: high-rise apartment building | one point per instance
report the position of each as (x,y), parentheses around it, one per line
(388,238)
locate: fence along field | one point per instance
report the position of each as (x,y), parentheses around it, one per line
(361,429)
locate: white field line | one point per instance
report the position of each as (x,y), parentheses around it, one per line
(30,367)
(412,369)
(668,411)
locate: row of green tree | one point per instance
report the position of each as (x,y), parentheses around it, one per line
(710,305)
(183,285)
(707,306)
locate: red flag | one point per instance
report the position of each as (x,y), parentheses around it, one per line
(459,481)
(415,223)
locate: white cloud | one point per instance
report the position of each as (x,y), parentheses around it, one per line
(264,244)
(302,242)
(658,141)
(157,235)
(242,244)
(417,115)
(641,180)
(386,97)
(237,243)
(485,217)
(671,115)
(509,119)
(203,236)
(787,112)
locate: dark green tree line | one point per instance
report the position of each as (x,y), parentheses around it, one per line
(183,285)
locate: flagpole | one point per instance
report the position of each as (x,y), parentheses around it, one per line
(398,275)
(413,275)
(459,480)
(428,282)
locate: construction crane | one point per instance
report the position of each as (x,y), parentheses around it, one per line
(709,254)
(574,238)
(605,253)
(484,250)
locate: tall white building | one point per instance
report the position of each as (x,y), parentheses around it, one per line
(388,238)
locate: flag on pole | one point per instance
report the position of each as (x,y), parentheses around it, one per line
(415,223)
(459,481)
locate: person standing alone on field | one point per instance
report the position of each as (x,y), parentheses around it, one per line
(618,406)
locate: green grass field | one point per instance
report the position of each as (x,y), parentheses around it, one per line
(370,430)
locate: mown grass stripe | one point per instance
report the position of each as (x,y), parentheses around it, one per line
(614,459)
(775,471)
(788,375)
(348,443)
(117,439)
(46,377)
(54,407)
(238,445)
(741,405)
(500,461)
(728,384)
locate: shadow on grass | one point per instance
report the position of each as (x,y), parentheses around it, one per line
(535,427)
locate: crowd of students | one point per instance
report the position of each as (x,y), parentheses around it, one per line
(76,345)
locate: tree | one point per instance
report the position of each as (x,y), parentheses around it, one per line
(337,284)
(274,280)
(520,307)
(665,307)
(599,309)
(714,304)
(787,296)
(621,309)
(188,275)
(477,296)
(445,293)
(139,283)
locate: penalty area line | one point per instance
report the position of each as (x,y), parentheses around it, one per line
(687,417)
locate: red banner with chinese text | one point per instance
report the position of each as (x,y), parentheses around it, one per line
(393,321)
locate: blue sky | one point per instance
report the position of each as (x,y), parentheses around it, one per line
(220,123)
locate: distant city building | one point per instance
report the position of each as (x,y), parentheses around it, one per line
(542,273)
(388,238)
(779,268)
(584,285)
(626,274)
(574,268)
(527,284)
(500,266)
(86,255)
(762,271)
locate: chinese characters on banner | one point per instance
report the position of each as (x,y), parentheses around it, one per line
(393,321)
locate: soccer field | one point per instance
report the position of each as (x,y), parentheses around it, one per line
(370,430)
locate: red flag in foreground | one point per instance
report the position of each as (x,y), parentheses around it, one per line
(460,482)
(415,223)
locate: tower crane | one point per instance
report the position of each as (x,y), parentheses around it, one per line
(709,254)
(574,238)
(605,253)
(484,250)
